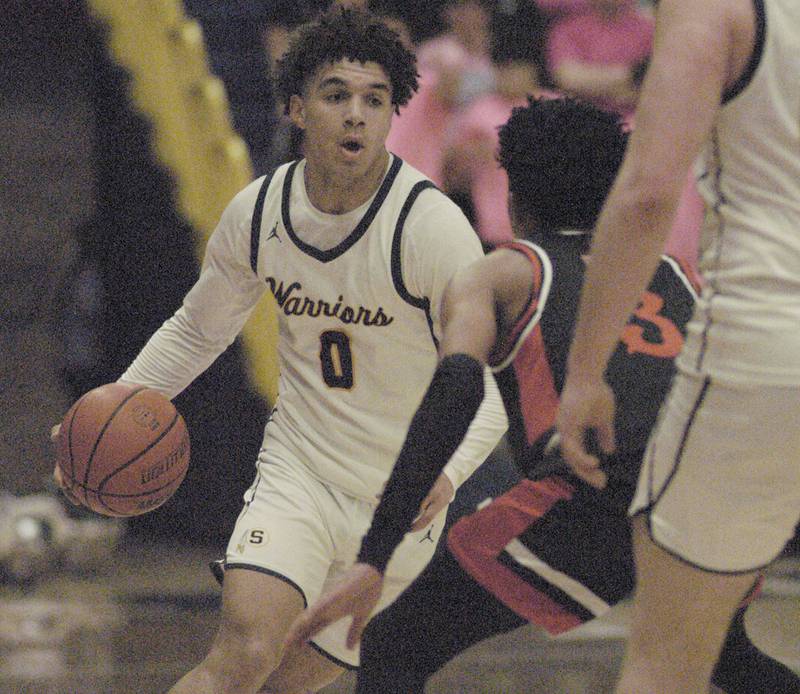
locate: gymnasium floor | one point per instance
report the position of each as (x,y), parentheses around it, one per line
(149,612)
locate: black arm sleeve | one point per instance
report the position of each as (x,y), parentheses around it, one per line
(437,429)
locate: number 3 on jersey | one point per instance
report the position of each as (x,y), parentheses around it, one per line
(336,359)
(664,339)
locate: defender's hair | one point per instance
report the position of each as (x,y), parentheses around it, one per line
(562,156)
(346,34)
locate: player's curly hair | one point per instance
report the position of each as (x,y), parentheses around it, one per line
(561,156)
(346,34)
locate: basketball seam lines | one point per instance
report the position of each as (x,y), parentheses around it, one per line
(97,440)
(102,482)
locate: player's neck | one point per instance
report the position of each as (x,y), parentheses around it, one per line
(333,193)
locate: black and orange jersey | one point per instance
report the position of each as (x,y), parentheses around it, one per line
(530,355)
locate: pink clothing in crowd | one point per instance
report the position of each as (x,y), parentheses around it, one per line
(476,128)
(589,38)
(684,237)
(563,6)
(418,134)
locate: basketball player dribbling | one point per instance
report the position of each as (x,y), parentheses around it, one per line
(357,248)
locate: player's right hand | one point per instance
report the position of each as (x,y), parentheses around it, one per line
(57,476)
(586,411)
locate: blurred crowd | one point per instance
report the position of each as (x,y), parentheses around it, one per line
(477,60)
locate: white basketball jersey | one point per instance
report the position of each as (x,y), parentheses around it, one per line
(747,324)
(358,320)
(359,297)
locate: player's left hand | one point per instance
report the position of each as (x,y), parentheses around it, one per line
(357,595)
(439,496)
(57,476)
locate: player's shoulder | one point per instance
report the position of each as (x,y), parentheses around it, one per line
(243,203)
(410,180)
(428,217)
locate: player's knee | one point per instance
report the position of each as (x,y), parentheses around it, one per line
(243,656)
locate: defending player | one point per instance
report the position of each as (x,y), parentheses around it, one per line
(357,249)
(553,551)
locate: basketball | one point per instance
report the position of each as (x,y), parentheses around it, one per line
(123,449)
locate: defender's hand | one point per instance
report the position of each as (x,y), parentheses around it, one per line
(441,495)
(357,595)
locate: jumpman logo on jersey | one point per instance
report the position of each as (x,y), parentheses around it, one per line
(274,234)
(427,536)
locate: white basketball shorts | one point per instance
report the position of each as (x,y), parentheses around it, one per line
(297,528)
(720,481)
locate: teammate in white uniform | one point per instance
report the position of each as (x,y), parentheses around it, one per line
(719,493)
(357,248)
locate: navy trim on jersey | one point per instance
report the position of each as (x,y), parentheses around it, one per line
(545,587)
(755,57)
(268,572)
(713,288)
(341,663)
(397,266)
(255,225)
(353,236)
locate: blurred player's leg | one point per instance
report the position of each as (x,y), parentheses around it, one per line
(680,620)
(300,672)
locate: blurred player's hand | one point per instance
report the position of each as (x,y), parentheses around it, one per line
(586,411)
(440,495)
(57,476)
(356,595)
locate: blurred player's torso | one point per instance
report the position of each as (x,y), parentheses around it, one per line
(749,175)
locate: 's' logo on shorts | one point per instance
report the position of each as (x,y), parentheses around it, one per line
(255,536)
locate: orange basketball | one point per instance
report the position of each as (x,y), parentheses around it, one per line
(123,450)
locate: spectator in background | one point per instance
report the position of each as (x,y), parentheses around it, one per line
(285,16)
(453,67)
(473,176)
(600,55)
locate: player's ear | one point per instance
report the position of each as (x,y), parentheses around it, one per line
(297,111)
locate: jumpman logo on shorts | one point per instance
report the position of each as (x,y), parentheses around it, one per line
(427,536)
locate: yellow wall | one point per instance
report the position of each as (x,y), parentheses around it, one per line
(164,52)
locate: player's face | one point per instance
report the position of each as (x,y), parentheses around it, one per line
(346,112)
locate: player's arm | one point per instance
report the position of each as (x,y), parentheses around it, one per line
(213,311)
(474,302)
(680,98)
(439,242)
